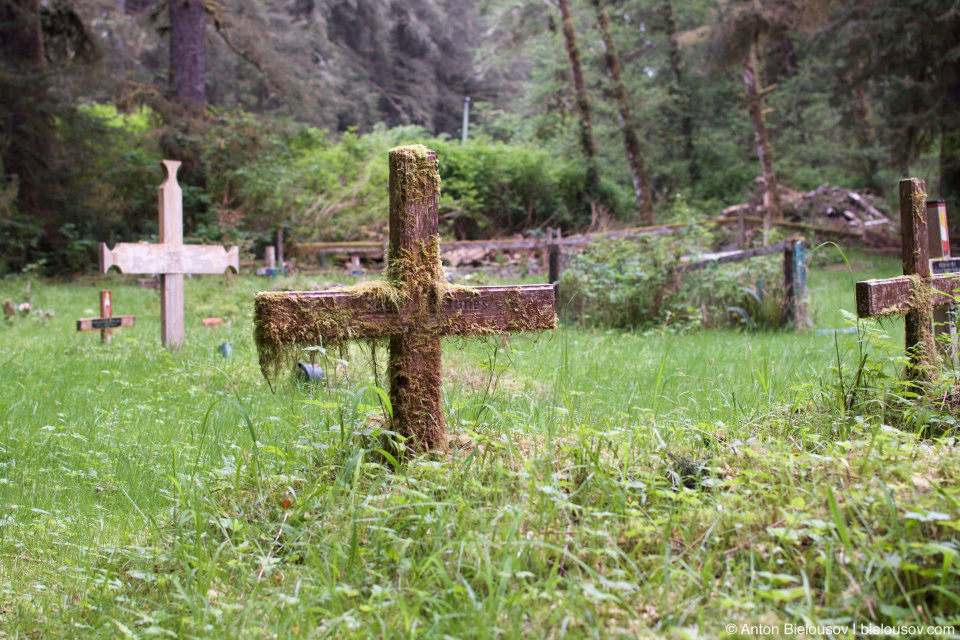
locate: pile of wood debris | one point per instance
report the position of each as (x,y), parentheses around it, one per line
(828,208)
(834,206)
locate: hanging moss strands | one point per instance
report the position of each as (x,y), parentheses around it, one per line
(412,308)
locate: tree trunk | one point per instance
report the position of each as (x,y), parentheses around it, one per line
(950,147)
(187,52)
(772,209)
(27,127)
(627,123)
(865,134)
(681,98)
(583,100)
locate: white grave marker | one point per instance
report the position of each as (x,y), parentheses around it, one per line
(171,258)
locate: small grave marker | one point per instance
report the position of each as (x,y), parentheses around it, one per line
(107,322)
(413,307)
(171,258)
(270,264)
(915,294)
(944,318)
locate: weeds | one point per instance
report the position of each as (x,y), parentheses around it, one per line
(606,484)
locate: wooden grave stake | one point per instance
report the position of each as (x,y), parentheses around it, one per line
(413,306)
(554,257)
(107,322)
(280,256)
(171,258)
(795,282)
(917,292)
(944,318)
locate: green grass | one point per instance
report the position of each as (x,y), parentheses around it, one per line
(609,484)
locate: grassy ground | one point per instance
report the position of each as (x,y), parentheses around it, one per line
(608,484)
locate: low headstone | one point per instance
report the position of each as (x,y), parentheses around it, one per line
(413,307)
(170,258)
(915,294)
(210,323)
(107,322)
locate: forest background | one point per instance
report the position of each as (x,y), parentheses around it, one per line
(583,113)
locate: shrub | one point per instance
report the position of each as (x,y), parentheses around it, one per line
(636,283)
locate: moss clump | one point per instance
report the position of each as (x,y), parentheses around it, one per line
(282,321)
(416,172)
(925,364)
(385,293)
(417,267)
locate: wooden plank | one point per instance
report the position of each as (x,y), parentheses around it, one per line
(795,283)
(106,313)
(892,296)
(913,223)
(99,324)
(171,309)
(734,256)
(170,201)
(483,310)
(414,357)
(914,239)
(140,257)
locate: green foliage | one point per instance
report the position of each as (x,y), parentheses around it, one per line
(636,283)
(608,484)
(275,172)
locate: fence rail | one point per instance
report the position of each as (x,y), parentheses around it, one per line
(377,248)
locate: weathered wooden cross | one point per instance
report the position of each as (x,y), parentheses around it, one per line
(171,258)
(107,322)
(413,307)
(918,292)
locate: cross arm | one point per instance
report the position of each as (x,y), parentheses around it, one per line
(312,317)
(893,296)
(140,257)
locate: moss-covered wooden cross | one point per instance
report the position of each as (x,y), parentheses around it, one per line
(413,306)
(917,291)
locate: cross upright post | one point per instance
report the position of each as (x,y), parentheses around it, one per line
(171,234)
(414,307)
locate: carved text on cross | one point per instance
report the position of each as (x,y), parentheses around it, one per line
(414,307)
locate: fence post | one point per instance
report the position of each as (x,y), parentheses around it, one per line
(553,256)
(270,257)
(795,282)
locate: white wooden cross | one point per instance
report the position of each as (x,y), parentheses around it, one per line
(171,258)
